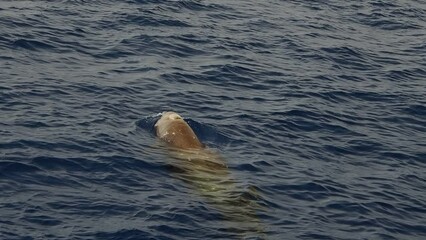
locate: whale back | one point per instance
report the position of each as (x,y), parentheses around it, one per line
(172,129)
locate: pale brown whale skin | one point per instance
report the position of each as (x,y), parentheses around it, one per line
(172,129)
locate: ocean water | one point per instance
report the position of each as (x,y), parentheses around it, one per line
(318,109)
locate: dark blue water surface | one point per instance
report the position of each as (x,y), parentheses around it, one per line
(317,107)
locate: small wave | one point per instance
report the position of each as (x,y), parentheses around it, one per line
(32,44)
(348,57)
(42,220)
(7,167)
(155,22)
(386,22)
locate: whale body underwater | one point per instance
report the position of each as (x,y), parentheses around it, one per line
(207,171)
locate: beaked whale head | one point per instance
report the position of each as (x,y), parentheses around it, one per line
(175,131)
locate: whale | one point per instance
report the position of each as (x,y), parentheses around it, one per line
(206,170)
(191,156)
